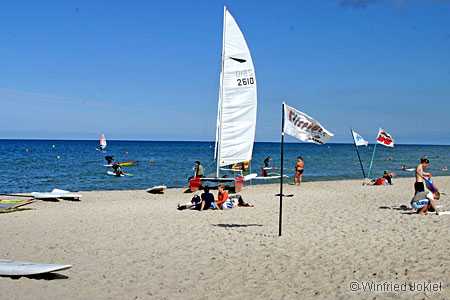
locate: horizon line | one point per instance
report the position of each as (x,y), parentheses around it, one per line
(198,141)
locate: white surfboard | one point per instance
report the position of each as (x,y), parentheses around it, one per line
(250,176)
(159,189)
(111,173)
(270,177)
(55,194)
(24,268)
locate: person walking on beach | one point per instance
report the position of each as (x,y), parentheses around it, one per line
(299,167)
(419,185)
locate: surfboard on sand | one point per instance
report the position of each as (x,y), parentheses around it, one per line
(24,268)
(7,204)
(159,189)
(444,213)
(55,194)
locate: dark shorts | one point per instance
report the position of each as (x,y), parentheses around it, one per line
(300,172)
(419,187)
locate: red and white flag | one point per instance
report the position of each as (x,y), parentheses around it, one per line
(385,138)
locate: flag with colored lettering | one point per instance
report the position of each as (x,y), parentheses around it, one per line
(303,127)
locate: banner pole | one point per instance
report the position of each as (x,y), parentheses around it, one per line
(281,170)
(371,161)
(359,157)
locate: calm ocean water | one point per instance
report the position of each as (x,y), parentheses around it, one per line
(41,165)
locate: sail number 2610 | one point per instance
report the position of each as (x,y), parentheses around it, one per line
(245,81)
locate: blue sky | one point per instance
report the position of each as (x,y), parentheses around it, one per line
(150,69)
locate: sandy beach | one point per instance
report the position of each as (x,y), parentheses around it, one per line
(134,245)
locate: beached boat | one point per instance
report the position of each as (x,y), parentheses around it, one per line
(236,113)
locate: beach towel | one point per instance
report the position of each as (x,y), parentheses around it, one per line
(430,186)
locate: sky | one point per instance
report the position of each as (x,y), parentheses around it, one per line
(149,70)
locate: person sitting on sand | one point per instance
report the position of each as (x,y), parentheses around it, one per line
(388,177)
(299,168)
(225,201)
(423,201)
(195,201)
(419,185)
(222,196)
(378,181)
(208,200)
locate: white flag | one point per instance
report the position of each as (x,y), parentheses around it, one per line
(359,140)
(385,138)
(303,127)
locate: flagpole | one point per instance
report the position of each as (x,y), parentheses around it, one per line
(281,169)
(371,161)
(357,152)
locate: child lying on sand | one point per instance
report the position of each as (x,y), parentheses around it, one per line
(423,201)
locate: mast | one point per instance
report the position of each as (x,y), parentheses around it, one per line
(219,129)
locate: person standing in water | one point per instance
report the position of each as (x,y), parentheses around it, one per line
(198,169)
(299,167)
(265,169)
(419,185)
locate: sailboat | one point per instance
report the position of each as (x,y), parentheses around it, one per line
(237,105)
(102,143)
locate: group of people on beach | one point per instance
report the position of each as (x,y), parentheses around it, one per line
(265,169)
(206,200)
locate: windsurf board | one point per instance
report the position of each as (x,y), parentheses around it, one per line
(24,268)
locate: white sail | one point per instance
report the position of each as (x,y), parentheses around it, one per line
(236,121)
(102,142)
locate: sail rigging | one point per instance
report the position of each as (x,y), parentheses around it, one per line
(236,115)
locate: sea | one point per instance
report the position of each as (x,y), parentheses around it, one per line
(75,165)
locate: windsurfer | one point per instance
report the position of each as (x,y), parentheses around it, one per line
(109,159)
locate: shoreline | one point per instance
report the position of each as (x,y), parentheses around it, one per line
(245,186)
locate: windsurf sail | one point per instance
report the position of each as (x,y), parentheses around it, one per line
(236,113)
(102,142)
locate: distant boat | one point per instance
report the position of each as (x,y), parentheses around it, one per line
(102,143)
(236,113)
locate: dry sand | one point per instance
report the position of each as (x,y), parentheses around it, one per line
(133,245)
